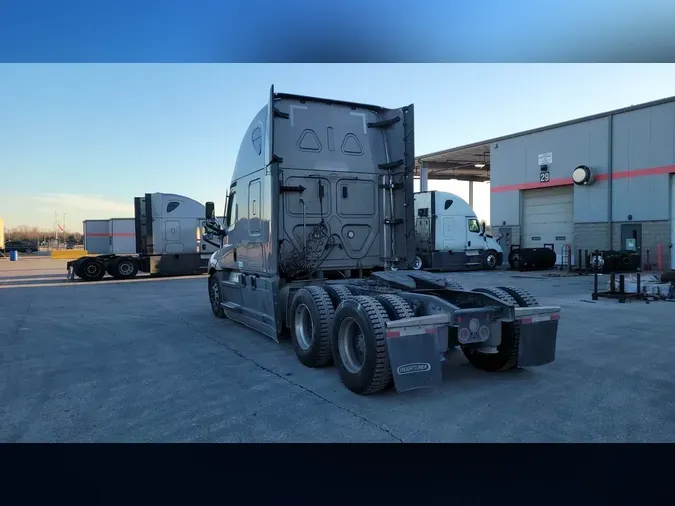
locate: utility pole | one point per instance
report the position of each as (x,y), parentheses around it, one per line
(64,227)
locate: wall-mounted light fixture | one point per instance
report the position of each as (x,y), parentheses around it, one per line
(583,176)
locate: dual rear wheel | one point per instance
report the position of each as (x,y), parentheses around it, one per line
(93,269)
(330,325)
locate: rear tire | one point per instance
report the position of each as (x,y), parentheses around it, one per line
(215,296)
(360,346)
(91,269)
(506,357)
(396,306)
(311,320)
(417,263)
(124,268)
(522,297)
(338,293)
(498,293)
(514,260)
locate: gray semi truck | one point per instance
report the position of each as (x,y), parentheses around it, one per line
(166,234)
(318,241)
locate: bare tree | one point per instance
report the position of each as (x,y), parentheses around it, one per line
(36,234)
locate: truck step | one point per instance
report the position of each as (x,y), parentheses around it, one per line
(232,306)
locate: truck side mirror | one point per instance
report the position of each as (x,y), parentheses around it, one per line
(210,211)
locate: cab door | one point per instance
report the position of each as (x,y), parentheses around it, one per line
(474,240)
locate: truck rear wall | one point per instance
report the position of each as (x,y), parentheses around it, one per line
(337,150)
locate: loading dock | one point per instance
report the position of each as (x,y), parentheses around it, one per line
(548,217)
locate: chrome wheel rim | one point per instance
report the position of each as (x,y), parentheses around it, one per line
(304,327)
(92,269)
(125,268)
(351,345)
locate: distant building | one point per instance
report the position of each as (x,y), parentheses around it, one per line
(601,182)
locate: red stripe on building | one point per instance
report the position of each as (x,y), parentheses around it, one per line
(624,174)
(105,234)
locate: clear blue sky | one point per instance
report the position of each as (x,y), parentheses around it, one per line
(85,139)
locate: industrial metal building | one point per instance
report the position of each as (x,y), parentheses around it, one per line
(623,198)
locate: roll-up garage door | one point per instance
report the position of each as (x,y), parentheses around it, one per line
(548,217)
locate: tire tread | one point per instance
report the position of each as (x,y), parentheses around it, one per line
(378,318)
(522,296)
(324,307)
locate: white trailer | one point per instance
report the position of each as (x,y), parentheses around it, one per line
(449,236)
(116,236)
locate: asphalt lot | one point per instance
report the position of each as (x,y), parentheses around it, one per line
(145,361)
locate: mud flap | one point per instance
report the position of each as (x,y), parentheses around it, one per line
(538,336)
(70,273)
(414,357)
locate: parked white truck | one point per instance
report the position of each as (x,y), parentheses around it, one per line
(165,238)
(449,236)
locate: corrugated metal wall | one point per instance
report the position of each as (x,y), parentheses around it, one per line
(642,156)
(514,166)
(643,152)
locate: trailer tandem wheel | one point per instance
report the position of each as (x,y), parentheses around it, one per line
(507,352)
(215,297)
(311,320)
(359,341)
